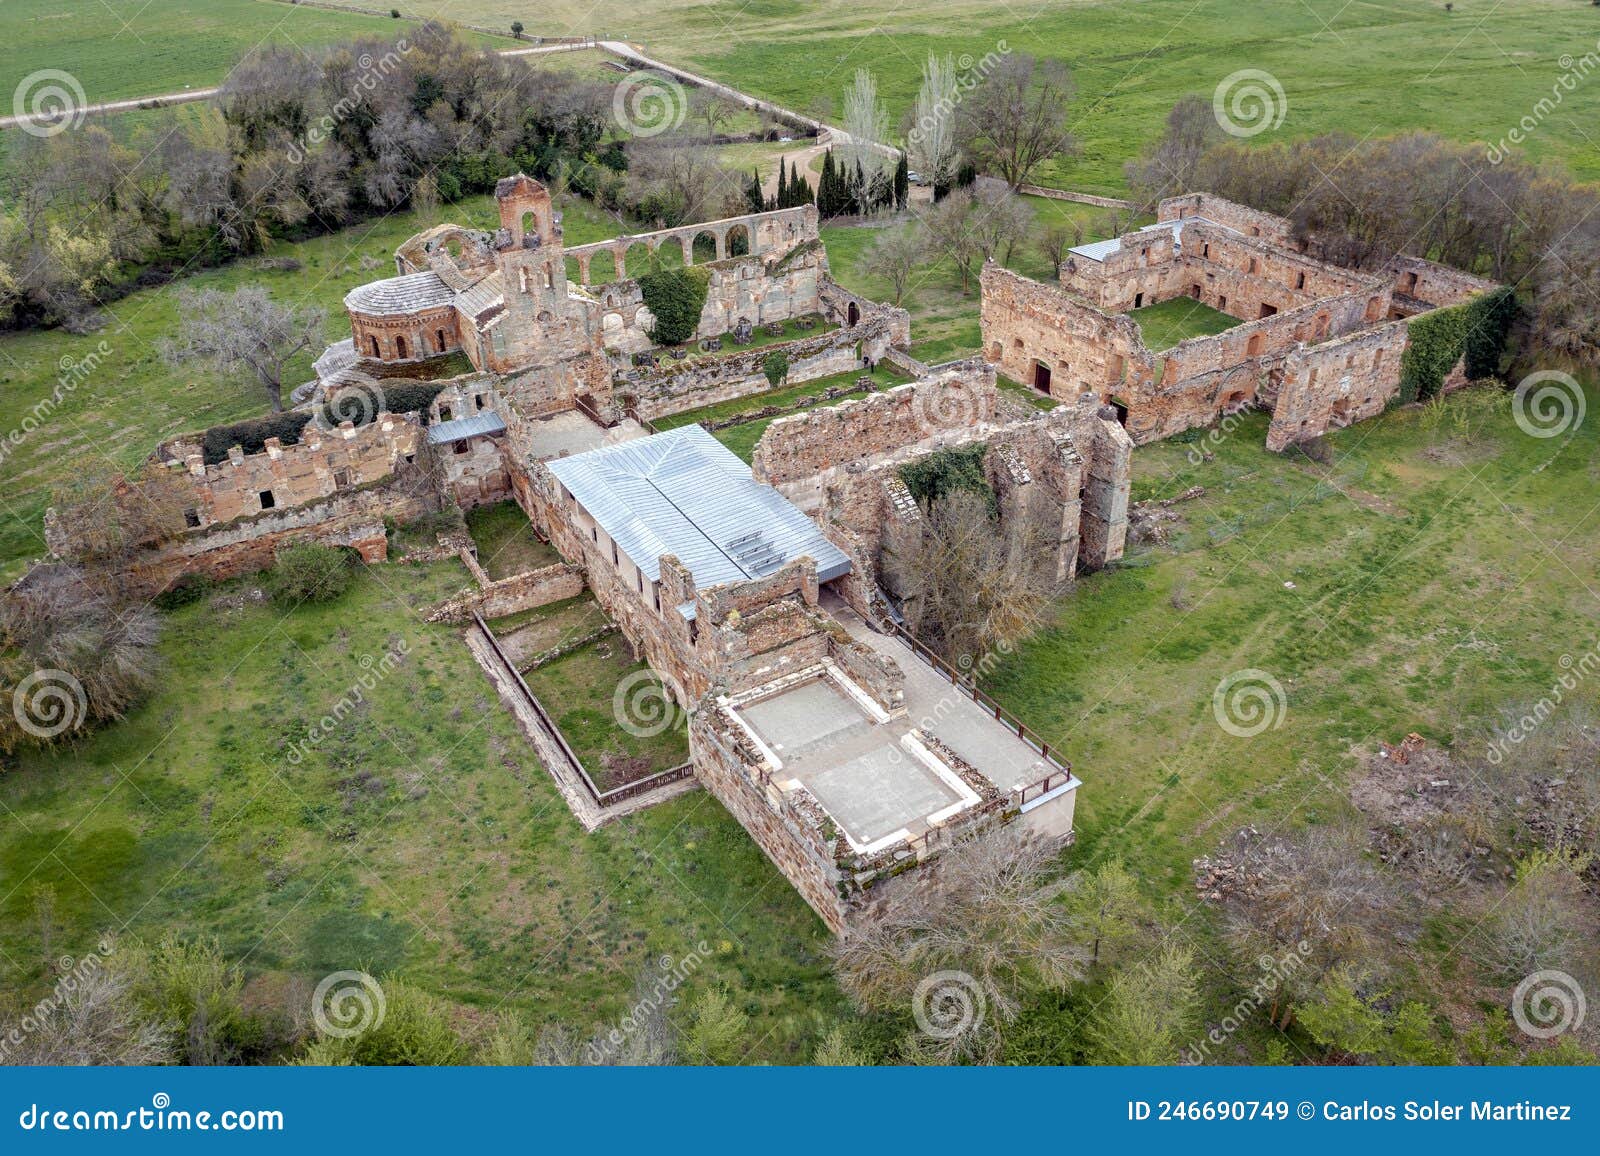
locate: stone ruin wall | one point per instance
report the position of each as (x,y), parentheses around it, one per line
(1086,349)
(1438,285)
(318,466)
(1251,222)
(1338,382)
(799,448)
(680,386)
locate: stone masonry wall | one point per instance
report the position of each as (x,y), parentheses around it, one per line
(512,595)
(807,444)
(1085,349)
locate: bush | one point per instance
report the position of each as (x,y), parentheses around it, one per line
(929,479)
(252,435)
(310,573)
(675,298)
(776,367)
(186,591)
(356,403)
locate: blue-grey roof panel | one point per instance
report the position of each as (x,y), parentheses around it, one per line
(686,494)
(485,422)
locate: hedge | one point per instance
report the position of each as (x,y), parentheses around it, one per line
(252,435)
(675,298)
(355,402)
(1475,329)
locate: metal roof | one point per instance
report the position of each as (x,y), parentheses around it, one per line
(686,494)
(462,428)
(1100,250)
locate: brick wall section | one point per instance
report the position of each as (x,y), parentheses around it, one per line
(680,386)
(322,463)
(806,444)
(512,595)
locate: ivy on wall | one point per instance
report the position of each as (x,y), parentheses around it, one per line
(359,405)
(1475,329)
(931,478)
(252,435)
(675,298)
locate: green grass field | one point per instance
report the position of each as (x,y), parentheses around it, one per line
(1165,325)
(126,48)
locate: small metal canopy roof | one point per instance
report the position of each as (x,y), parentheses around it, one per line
(462,428)
(686,494)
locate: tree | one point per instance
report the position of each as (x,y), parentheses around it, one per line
(965,950)
(836,1051)
(931,140)
(1313,894)
(717,1027)
(971,228)
(1348,1015)
(1169,168)
(1016,120)
(1106,905)
(413,1031)
(753,194)
(244,331)
(866,128)
(516,30)
(713,110)
(70,653)
(896,255)
(1057,237)
(1533,928)
(1151,1009)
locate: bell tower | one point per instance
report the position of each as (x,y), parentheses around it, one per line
(533,270)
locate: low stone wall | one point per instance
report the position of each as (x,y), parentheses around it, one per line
(243,547)
(680,386)
(512,595)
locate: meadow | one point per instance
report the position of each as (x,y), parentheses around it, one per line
(1470,73)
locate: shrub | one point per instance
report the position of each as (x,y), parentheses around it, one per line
(929,479)
(356,403)
(185,592)
(252,435)
(776,367)
(310,573)
(675,298)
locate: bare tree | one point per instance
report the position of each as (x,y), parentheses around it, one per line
(1313,895)
(98,1021)
(931,140)
(244,330)
(714,110)
(1171,165)
(1016,120)
(1056,238)
(1534,926)
(896,256)
(965,950)
(973,227)
(866,126)
(968,583)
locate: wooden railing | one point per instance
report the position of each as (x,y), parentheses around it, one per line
(962,681)
(600,798)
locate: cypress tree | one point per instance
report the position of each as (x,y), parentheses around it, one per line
(753,193)
(902,182)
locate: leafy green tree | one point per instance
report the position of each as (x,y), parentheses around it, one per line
(309,572)
(1150,1012)
(717,1028)
(1106,905)
(414,1031)
(837,1051)
(1347,1015)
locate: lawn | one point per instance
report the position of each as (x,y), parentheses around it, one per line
(1165,325)
(420,836)
(506,542)
(1470,74)
(580,691)
(125,48)
(742,438)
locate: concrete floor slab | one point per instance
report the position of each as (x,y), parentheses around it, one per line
(880,791)
(569,432)
(792,724)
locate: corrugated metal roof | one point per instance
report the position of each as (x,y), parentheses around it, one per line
(400,295)
(486,422)
(1100,250)
(686,494)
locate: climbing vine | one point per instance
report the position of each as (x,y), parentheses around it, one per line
(675,298)
(1475,329)
(932,477)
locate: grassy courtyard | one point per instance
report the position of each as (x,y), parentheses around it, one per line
(1165,325)
(506,542)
